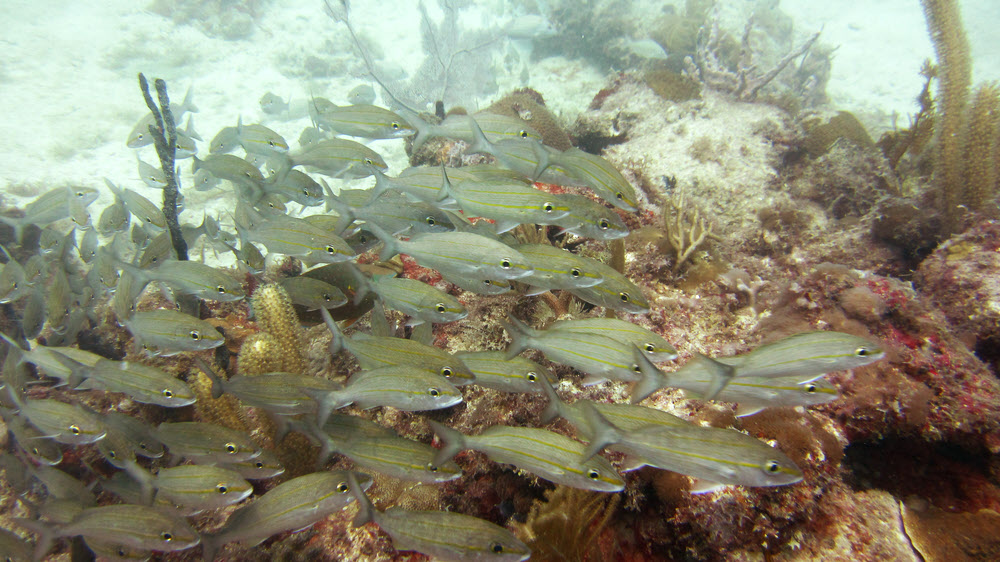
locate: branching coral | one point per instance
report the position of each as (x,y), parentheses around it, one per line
(744,81)
(684,231)
(276,317)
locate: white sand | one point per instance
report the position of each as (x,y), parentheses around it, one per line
(69,95)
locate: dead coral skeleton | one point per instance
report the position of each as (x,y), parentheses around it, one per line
(685,230)
(745,81)
(739,281)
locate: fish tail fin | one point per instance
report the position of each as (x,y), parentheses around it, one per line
(390,246)
(651,378)
(602,432)
(379,321)
(196,164)
(337,343)
(78,372)
(366,511)
(209,547)
(424,129)
(144,479)
(382,183)
(17,224)
(555,407)
(452,442)
(189,129)
(520,336)
(720,372)
(326,402)
(188,104)
(480,143)
(543,158)
(47,534)
(217,389)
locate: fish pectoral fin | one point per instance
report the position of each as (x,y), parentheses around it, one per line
(744,411)
(700,486)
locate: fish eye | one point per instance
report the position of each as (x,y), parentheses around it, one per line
(811,388)
(862,352)
(434,392)
(649,348)
(343,487)
(440,308)
(167,536)
(394,125)
(369,161)
(593,474)
(195,335)
(221,289)
(505,263)
(221,488)
(430,221)
(113,454)
(772,466)
(624,296)
(548,207)
(121,552)
(619,196)
(258,464)
(270,143)
(74,429)
(327,297)
(636,368)
(575,272)
(231,448)
(496,548)
(446,371)
(532,376)
(523,134)
(604,224)
(431,467)
(331,250)
(167,393)
(139,136)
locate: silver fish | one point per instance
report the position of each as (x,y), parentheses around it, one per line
(495,128)
(374,352)
(261,467)
(168,332)
(712,454)
(206,442)
(201,487)
(802,357)
(384,452)
(135,526)
(51,206)
(508,204)
(422,302)
(615,292)
(313,293)
(655,347)
(72,424)
(272,104)
(590,219)
(151,175)
(459,253)
(599,175)
(518,374)
(556,268)
(293,505)
(361,94)
(258,139)
(441,534)
(33,441)
(144,383)
(225,141)
(549,455)
(339,158)
(361,120)
(140,136)
(297,186)
(296,237)
(600,357)
(192,278)
(403,387)
(139,434)
(393,211)
(141,208)
(278,393)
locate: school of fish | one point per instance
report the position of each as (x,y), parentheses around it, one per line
(457,221)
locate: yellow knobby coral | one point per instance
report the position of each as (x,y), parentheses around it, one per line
(275,315)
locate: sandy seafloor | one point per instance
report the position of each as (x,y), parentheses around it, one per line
(69,95)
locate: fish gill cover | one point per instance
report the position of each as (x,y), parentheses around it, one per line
(750,372)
